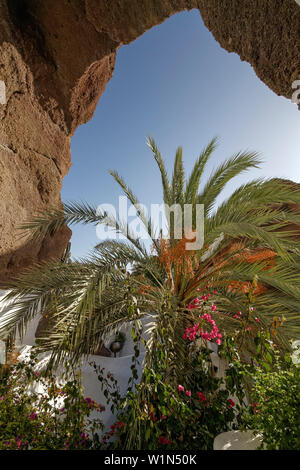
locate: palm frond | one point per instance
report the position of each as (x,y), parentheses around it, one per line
(147,222)
(51,221)
(178,179)
(162,168)
(192,185)
(232,167)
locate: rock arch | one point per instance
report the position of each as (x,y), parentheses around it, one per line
(56,59)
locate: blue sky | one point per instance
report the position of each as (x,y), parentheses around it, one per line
(178,85)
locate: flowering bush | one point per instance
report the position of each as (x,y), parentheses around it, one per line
(157,414)
(168,417)
(58,418)
(163,409)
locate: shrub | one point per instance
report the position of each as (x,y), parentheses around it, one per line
(156,415)
(276,405)
(58,418)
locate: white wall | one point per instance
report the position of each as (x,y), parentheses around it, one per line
(119,367)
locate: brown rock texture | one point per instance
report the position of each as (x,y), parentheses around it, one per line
(56,58)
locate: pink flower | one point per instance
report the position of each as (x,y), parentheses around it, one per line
(249,328)
(163,416)
(33,416)
(154,418)
(230,402)
(257,320)
(255,407)
(236,316)
(196,331)
(189,393)
(164,441)
(191,306)
(201,396)
(180,388)
(213,307)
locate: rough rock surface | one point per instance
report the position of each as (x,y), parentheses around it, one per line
(56,58)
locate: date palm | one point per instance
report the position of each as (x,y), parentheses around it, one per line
(246,238)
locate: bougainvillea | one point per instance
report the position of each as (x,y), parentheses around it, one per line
(58,419)
(197,330)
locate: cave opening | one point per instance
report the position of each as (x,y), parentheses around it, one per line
(177,84)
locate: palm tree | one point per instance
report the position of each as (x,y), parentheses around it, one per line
(248,241)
